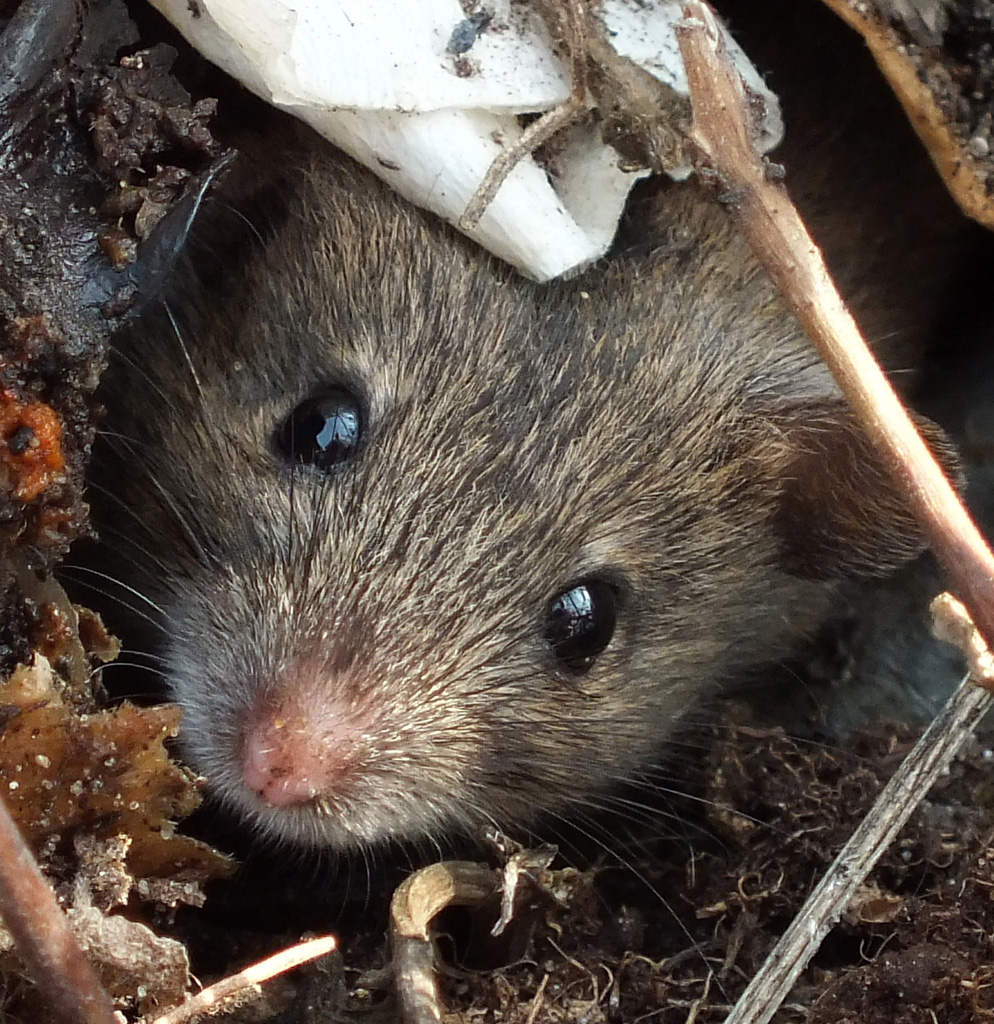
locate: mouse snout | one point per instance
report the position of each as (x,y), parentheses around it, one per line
(295,752)
(282,767)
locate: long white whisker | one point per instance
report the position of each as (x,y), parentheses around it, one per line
(111,596)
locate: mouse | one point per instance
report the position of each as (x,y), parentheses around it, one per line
(434,549)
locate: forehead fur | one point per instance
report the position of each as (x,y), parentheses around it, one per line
(499,412)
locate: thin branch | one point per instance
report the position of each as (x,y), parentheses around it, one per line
(530,139)
(570,15)
(234,988)
(722,137)
(53,956)
(828,902)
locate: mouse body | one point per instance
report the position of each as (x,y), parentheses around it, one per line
(435,549)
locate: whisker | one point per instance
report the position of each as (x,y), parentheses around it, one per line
(591,832)
(245,220)
(144,655)
(119,353)
(117,663)
(111,596)
(186,352)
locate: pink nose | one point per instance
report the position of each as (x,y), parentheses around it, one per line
(286,764)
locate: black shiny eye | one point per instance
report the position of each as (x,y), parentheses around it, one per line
(580,622)
(322,431)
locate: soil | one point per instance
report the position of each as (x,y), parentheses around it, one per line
(96,141)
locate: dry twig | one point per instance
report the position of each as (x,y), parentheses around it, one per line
(921,768)
(539,132)
(234,989)
(53,956)
(828,902)
(417,900)
(723,140)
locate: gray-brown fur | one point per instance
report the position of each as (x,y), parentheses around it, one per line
(661,421)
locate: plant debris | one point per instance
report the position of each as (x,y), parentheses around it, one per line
(697,927)
(938,56)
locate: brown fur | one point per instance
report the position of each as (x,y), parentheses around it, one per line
(661,421)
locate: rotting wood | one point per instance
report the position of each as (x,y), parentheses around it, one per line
(960,171)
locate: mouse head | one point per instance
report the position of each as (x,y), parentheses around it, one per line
(437,548)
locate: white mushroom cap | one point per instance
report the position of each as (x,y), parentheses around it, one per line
(381,80)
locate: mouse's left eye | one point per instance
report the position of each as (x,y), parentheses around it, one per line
(323,431)
(580,622)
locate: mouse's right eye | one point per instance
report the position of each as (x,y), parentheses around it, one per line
(322,431)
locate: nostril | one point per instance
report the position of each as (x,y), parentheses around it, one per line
(294,751)
(274,768)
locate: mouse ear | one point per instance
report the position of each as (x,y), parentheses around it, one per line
(841,513)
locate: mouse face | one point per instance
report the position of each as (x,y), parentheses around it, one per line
(437,549)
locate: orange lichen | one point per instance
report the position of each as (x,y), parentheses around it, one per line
(30,446)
